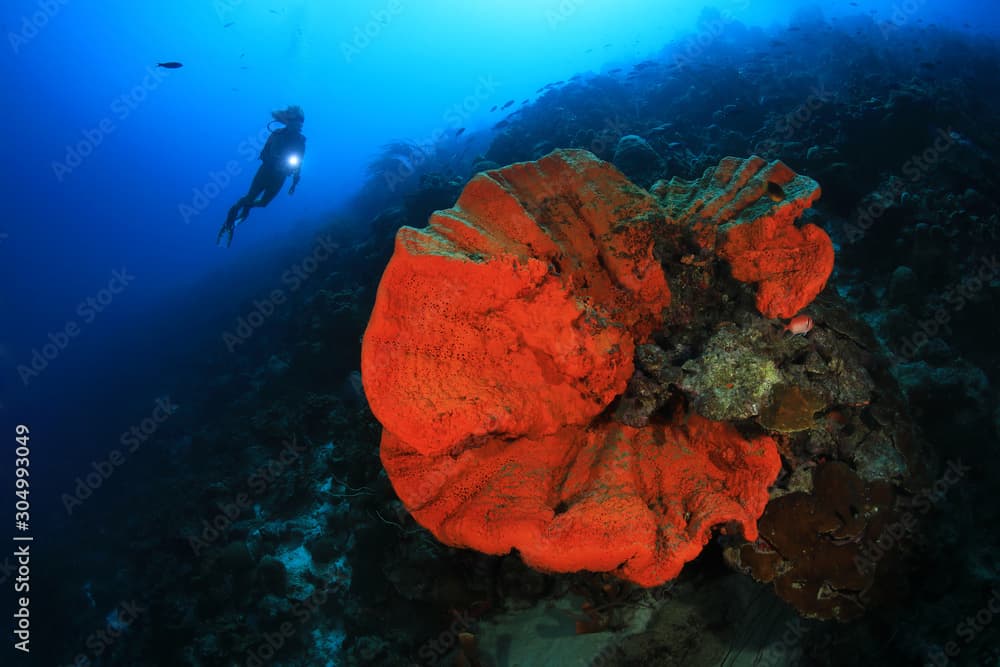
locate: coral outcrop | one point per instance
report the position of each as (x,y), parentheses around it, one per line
(500,335)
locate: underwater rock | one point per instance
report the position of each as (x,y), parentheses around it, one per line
(500,333)
(876,458)
(326,548)
(435,192)
(636,159)
(745,211)
(272,576)
(276,366)
(904,288)
(236,558)
(731,379)
(483,165)
(642,398)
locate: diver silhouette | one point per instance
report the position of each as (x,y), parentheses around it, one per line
(281,156)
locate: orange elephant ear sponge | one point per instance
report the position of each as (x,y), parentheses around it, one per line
(500,335)
(514,313)
(745,210)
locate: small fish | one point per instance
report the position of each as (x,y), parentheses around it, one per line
(460,131)
(775,192)
(507,105)
(493,109)
(226,25)
(170,65)
(800,325)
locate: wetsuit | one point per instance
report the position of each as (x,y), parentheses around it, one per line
(270,177)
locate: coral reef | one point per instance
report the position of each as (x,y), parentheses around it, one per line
(496,446)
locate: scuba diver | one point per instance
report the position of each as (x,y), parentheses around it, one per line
(281,156)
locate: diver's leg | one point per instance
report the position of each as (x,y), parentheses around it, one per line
(272,191)
(261,183)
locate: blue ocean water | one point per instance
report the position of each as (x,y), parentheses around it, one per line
(119,172)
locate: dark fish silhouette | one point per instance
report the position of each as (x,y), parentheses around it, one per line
(507,105)
(494,108)
(229,24)
(460,131)
(170,65)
